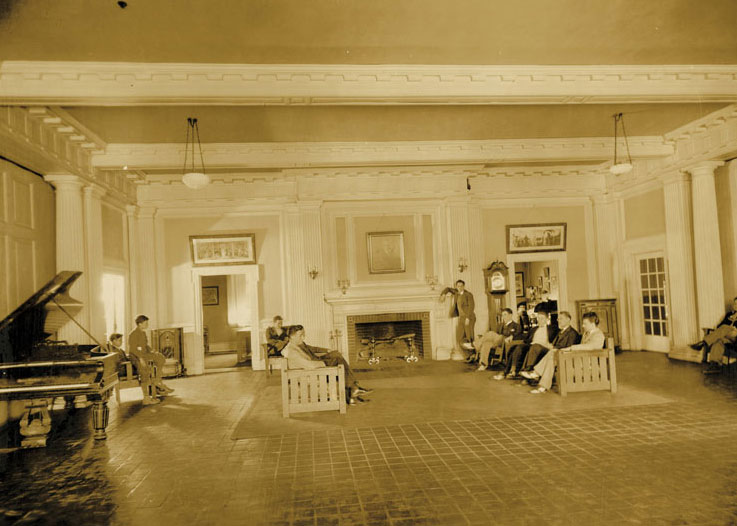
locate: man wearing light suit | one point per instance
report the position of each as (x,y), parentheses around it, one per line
(462,307)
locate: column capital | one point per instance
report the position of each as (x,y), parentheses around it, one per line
(676,177)
(147,212)
(605,198)
(93,191)
(703,168)
(131,210)
(64,181)
(309,204)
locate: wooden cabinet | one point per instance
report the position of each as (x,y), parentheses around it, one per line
(606,309)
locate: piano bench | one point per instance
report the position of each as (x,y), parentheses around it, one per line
(130,380)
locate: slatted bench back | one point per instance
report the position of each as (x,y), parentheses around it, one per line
(305,390)
(587,370)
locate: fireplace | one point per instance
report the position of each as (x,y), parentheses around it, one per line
(388,325)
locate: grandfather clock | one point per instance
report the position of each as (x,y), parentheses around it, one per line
(496,282)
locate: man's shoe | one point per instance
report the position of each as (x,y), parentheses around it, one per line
(361,390)
(468,346)
(481,367)
(539,390)
(530,375)
(511,375)
(499,376)
(698,345)
(151,401)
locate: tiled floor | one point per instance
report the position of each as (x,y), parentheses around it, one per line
(667,463)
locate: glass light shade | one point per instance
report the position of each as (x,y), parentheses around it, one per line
(195,180)
(621,168)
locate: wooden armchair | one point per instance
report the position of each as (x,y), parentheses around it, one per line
(730,349)
(131,379)
(305,390)
(593,370)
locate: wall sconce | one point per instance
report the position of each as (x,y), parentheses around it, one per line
(343,284)
(462,264)
(431,280)
(313,272)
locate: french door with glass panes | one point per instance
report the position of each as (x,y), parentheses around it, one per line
(653,301)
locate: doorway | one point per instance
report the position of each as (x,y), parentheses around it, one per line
(652,301)
(225,323)
(538,277)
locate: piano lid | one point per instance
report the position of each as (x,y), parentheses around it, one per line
(38,317)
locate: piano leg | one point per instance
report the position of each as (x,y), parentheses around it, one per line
(100,417)
(35,423)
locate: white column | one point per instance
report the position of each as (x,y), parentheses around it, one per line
(679,245)
(730,261)
(295,282)
(70,247)
(605,228)
(93,241)
(707,249)
(147,267)
(132,215)
(316,315)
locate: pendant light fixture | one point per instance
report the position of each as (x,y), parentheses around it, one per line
(191,177)
(620,167)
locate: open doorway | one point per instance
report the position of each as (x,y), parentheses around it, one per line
(225,322)
(538,278)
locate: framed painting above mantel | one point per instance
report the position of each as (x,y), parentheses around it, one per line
(225,249)
(545,237)
(385,252)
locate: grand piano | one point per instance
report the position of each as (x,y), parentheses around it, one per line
(37,370)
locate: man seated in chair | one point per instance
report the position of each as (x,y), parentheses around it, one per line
(715,341)
(141,355)
(114,345)
(537,342)
(593,339)
(497,341)
(276,337)
(299,355)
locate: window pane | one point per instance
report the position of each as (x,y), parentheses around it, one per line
(656,329)
(646,299)
(660,264)
(646,312)
(643,281)
(656,313)
(653,282)
(661,281)
(662,314)
(651,265)
(648,328)
(643,266)
(665,329)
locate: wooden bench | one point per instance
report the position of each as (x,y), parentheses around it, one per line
(131,380)
(305,390)
(592,370)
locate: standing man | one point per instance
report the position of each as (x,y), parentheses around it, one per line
(141,355)
(462,307)
(714,342)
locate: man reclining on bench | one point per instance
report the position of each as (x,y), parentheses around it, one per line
(593,339)
(302,356)
(715,341)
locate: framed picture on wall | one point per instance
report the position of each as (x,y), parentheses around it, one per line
(210,296)
(548,237)
(385,252)
(226,249)
(519,283)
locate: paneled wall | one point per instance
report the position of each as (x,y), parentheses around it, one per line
(27,244)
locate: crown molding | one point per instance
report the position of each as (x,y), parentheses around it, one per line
(50,141)
(122,83)
(169,156)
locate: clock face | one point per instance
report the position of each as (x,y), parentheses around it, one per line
(498,282)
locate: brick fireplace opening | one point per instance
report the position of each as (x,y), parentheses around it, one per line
(388,325)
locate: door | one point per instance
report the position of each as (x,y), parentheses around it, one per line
(653,301)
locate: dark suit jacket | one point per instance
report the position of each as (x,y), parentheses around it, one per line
(565,338)
(463,305)
(512,329)
(552,333)
(726,320)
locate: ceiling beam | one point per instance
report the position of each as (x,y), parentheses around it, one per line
(121,84)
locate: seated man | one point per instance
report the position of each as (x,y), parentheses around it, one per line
(141,355)
(537,341)
(524,319)
(508,331)
(299,355)
(593,339)
(114,345)
(276,337)
(714,342)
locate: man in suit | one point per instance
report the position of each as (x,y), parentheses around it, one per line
(714,342)
(593,339)
(462,307)
(565,337)
(508,330)
(299,355)
(537,339)
(141,355)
